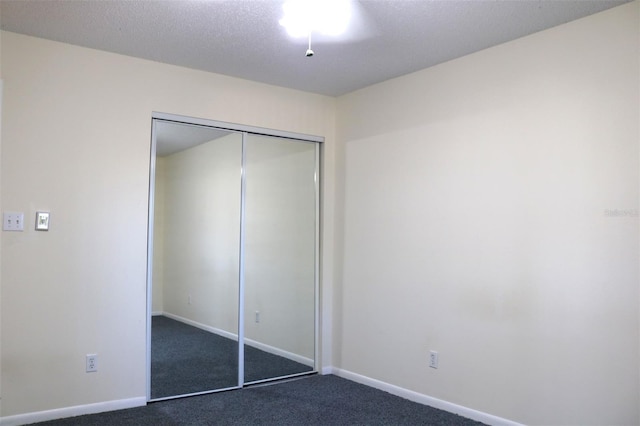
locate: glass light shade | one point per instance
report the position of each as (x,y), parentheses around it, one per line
(328,17)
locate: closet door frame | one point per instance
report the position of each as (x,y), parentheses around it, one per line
(245,130)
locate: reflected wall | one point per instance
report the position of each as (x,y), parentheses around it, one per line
(280,243)
(195,286)
(201,226)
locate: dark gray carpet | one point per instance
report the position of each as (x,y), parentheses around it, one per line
(186,359)
(312,400)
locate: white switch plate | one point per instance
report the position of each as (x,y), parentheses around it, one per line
(12,221)
(42,221)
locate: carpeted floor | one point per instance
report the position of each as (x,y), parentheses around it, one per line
(312,400)
(186,359)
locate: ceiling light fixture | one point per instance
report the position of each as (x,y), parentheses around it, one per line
(327,17)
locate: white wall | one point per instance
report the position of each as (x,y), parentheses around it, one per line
(477,222)
(76,137)
(1,209)
(486,238)
(197,234)
(157,288)
(280,214)
(201,233)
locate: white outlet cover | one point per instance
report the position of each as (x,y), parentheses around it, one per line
(433,359)
(92,363)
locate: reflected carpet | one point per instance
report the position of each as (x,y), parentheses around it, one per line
(187,359)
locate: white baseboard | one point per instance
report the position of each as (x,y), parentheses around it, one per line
(422,398)
(218,331)
(41,416)
(78,410)
(328,370)
(267,348)
(280,352)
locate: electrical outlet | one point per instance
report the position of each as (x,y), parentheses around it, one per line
(92,363)
(433,359)
(257,316)
(188,299)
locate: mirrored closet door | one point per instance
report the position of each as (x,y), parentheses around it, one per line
(233,260)
(279,257)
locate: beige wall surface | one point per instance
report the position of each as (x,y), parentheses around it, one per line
(280,216)
(491,214)
(1,97)
(201,233)
(157,287)
(197,236)
(487,210)
(76,141)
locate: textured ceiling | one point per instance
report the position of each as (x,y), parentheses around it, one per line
(243,38)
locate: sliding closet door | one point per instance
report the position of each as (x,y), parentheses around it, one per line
(233,256)
(195,284)
(281,216)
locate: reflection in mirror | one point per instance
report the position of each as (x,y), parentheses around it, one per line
(194,327)
(206,181)
(280,257)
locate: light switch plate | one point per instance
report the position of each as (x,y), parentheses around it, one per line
(42,221)
(12,221)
